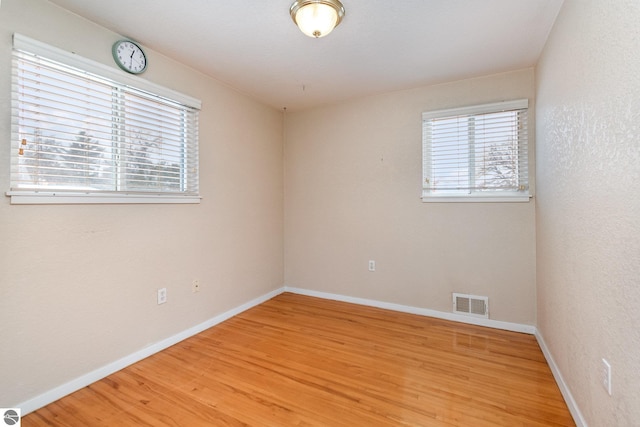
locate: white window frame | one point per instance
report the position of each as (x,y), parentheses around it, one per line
(41,195)
(429,195)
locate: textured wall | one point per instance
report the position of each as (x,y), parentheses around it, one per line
(78,283)
(588,209)
(352,193)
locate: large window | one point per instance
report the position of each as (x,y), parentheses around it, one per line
(477,153)
(82,137)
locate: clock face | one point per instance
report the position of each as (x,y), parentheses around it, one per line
(129,56)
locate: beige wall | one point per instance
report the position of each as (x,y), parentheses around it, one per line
(78,283)
(352,194)
(588,210)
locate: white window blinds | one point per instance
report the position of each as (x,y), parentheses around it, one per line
(479,151)
(77,133)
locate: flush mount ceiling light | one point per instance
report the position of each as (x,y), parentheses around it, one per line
(316,18)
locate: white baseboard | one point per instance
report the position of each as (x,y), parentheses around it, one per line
(96,375)
(496,324)
(100,373)
(564,388)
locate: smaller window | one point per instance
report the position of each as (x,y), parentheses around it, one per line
(477,153)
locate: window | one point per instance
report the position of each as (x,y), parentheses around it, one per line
(476,153)
(85,133)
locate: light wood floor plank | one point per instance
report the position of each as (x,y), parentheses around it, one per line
(302,361)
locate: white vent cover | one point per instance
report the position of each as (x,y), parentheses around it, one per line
(471,305)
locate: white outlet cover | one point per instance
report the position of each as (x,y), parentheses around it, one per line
(162,296)
(606,376)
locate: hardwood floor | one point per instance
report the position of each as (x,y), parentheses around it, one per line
(301,361)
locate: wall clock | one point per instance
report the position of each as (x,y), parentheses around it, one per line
(129,56)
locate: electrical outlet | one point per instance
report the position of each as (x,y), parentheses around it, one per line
(372,265)
(606,376)
(195,286)
(162,296)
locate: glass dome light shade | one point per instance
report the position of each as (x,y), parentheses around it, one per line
(317,18)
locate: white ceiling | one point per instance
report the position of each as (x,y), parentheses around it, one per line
(380,46)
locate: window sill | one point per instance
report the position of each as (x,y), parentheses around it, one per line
(64,198)
(477,199)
